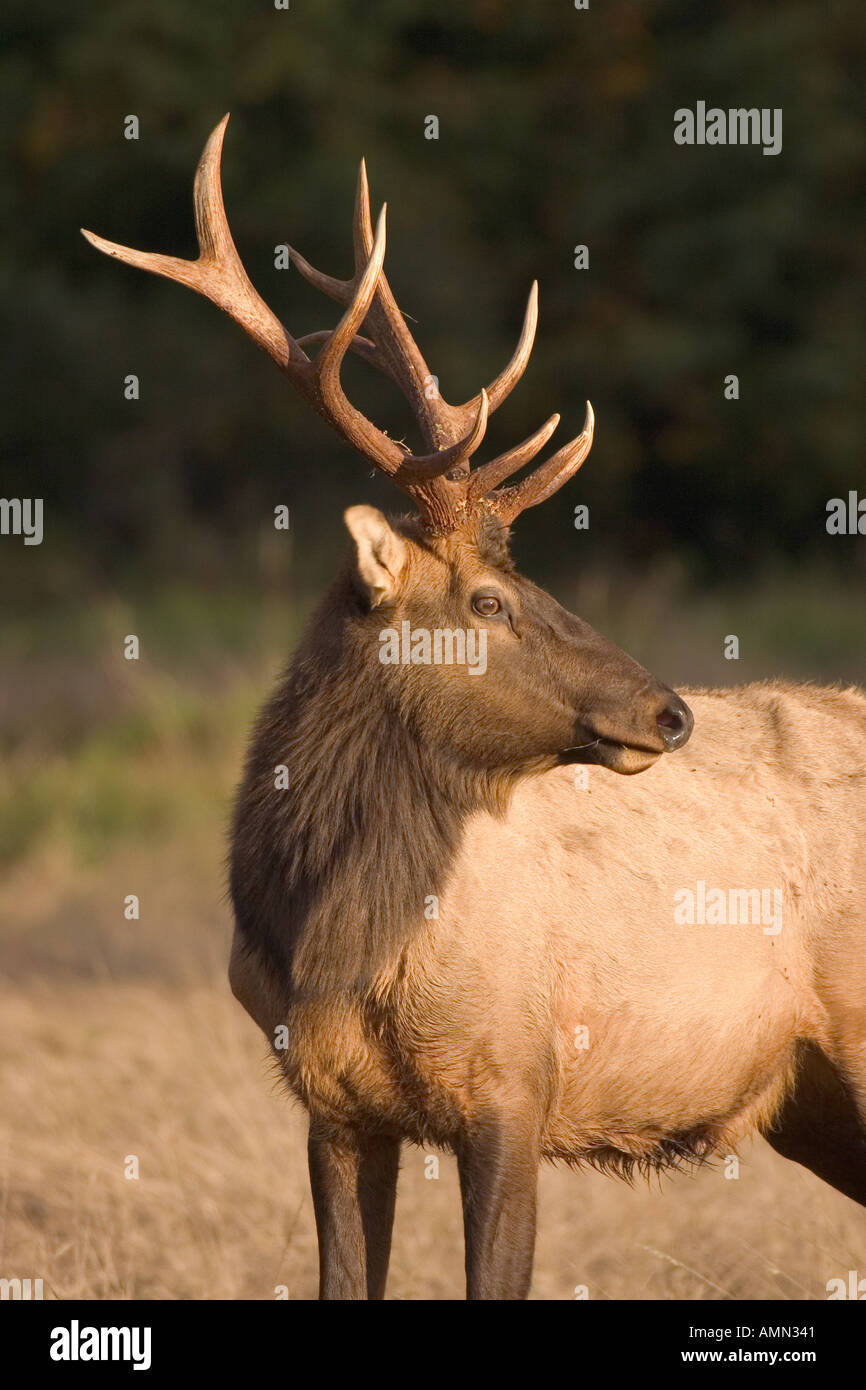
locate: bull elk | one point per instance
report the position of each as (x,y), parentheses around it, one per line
(463,948)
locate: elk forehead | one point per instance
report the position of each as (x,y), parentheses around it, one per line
(477,550)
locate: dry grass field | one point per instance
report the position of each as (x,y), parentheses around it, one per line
(119,1040)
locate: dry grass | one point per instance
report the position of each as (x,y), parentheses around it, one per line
(95,1072)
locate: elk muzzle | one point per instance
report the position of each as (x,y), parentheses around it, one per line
(652,722)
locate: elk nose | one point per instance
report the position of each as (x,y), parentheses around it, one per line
(675,722)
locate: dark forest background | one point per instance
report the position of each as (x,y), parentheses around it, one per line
(556,128)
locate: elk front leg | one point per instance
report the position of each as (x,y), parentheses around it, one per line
(498,1165)
(354,1181)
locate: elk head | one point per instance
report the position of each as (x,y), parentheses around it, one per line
(559,691)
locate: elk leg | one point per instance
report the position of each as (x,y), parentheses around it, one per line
(822,1124)
(498,1167)
(353,1177)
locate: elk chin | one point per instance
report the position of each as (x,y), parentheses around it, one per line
(619,757)
(616,757)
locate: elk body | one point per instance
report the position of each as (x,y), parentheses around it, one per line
(466,947)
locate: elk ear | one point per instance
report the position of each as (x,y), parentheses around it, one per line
(381,552)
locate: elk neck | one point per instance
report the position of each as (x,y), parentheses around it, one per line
(331,872)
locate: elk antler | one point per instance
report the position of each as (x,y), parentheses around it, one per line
(440,482)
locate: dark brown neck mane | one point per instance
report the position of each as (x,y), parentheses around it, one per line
(334,871)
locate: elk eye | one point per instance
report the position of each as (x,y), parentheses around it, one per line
(486,605)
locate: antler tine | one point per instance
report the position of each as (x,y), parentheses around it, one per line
(408,470)
(364,347)
(446,419)
(398,353)
(354,426)
(510,375)
(491,474)
(388,327)
(505,382)
(454,460)
(340,290)
(218,274)
(362,237)
(362,222)
(443,424)
(507,503)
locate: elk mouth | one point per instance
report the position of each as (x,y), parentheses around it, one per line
(625,758)
(672,726)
